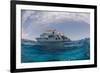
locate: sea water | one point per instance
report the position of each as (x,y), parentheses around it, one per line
(39,53)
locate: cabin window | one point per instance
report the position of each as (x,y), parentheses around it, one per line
(56,38)
(46,38)
(50,36)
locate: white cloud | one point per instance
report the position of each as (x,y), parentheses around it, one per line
(43,19)
(49,17)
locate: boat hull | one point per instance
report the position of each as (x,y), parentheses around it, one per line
(52,44)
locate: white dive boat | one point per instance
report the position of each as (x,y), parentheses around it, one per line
(52,39)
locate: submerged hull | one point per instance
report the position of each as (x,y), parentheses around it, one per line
(59,44)
(52,44)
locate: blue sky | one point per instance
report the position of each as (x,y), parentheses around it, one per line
(75,25)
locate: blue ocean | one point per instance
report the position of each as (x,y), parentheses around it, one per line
(32,52)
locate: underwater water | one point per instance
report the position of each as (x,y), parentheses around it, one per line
(39,53)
